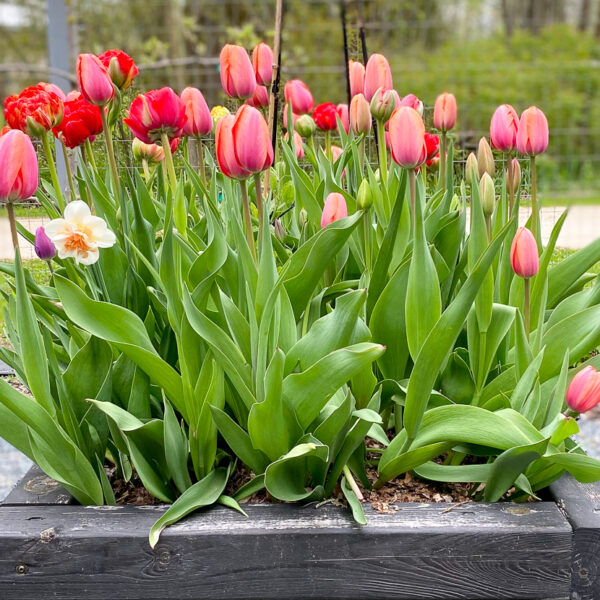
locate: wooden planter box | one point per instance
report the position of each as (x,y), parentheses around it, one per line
(50,548)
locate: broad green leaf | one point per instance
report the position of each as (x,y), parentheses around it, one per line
(453,473)
(355,505)
(176,450)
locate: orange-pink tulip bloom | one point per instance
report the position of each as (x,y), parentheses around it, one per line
(260,97)
(237,73)
(444,112)
(334,209)
(377,75)
(199,121)
(583,392)
(524,256)
(19,167)
(360,115)
(95,83)
(504,127)
(532,136)
(262,62)
(407,137)
(356,72)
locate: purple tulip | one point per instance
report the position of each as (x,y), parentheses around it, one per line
(43,246)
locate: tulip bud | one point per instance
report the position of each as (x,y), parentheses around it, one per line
(360,115)
(485,158)
(278,230)
(407,138)
(524,256)
(532,137)
(364,200)
(95,83)
(503,128)
(583,392)
(470,168)
(305,126)
(487,194)
(444,112)
(260,97)
(512,184)
(357,77)
(19,167)
(252,140)
(412,101)
(342,111)
(383,104)
(153,153)
(297,94)
(262,62)
(377,75)
(302,217)
(334,209)
(298,147)
(237,74)
(121,67)
(198,120)
(43,246)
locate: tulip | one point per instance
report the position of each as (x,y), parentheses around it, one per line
(237,73)
(364,199)
(95,82)
(152,153)
(488,196)
(513,179)
(412,101)
(278,230)
(583,392)
(36,110)
(407,138)
(260,97)
(251,140)
(383,104)
(225,151)
(218,112)
(43,246)
(377,75)
(198,120)
(360,115)
(503,128)
(334,209)
(298,95)
(356,71)
(532,135)
(342,111)
(444,112)
(4,130)
(432,143)
(336,152)
(295,117)
(485,158)
(298,146)
(19,172)
(305,126)
(524,256)
(471,169)
(120,66)
(262,62)
(51,87)
(81,122)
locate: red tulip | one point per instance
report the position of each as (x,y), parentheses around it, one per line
(260,97)
(251,140)
(583,392)
(334,209)
(298,146)
(19,172)
(412,101)
(342,111)
(360,115)
(298,95)
(432,143)
(377,75)
(532,136)
(407,138)
(199,122)
(225,150)
(444,112)
(4,130)
(120,66)
(95,83)
(504,127)
(81,122)
(357,77)
(262,62)
(156,112)
(34,111)
(325,116)
(237,74)
(524,256)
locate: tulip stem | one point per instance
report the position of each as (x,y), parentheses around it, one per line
(534,205)
(248,219)
(259,204)
(367,233)
(328,145)
(411,184)
(52,167)
(352,483)
(201,160)
(13,225)
(443,159)
(89,155)
(361,155)
(111,153)
(382,152)
(169,162)
(147,173)
(69,173)
(526,311)
(511,191)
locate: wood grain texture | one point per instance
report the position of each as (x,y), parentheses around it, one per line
(37,488)
(581,505)
(421,552)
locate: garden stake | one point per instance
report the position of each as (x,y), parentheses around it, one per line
(346,56)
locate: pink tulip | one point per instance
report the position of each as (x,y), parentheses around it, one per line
(225,150)
(357,77)
(262,62)
(524,256)
(342,111)
(298,146)
(251,140)
(295,117)
(383,104)
(237,74)
(336,152)
(19,172)
(199,121)
(407,138)
(504,127)
(51,87)
(296,92)
(444,112)
(532,136)
(334,209)
(360,115)
(94,80)
(412,101)
(260,97)
(377,75)
(583,392)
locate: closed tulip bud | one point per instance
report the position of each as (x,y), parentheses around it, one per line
(295,117)
(524,256)
(43,246)
(199,121)
(532,136)
(412,101)
(444,112)
(357,77)
(342,111)
(121,67)
(383,103)
(237,74)
(334,209)
(297,94)
(153,153)
(94,80)
(225,150)
(364,200)
(305,126)
(512,184)
(262,62)
(251,140)
(302,217)
(360,115)
(298,147)
(19,172)
(407,138)
(260,98)
(278,230)
(377,75)
(485,158)
(487,194)
(583,392)
(471,168)
(504,127)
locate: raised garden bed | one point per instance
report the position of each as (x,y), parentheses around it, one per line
(52,548)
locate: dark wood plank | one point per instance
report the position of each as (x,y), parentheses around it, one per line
(6,370)
(581,505)
(421,552)
(37,488)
